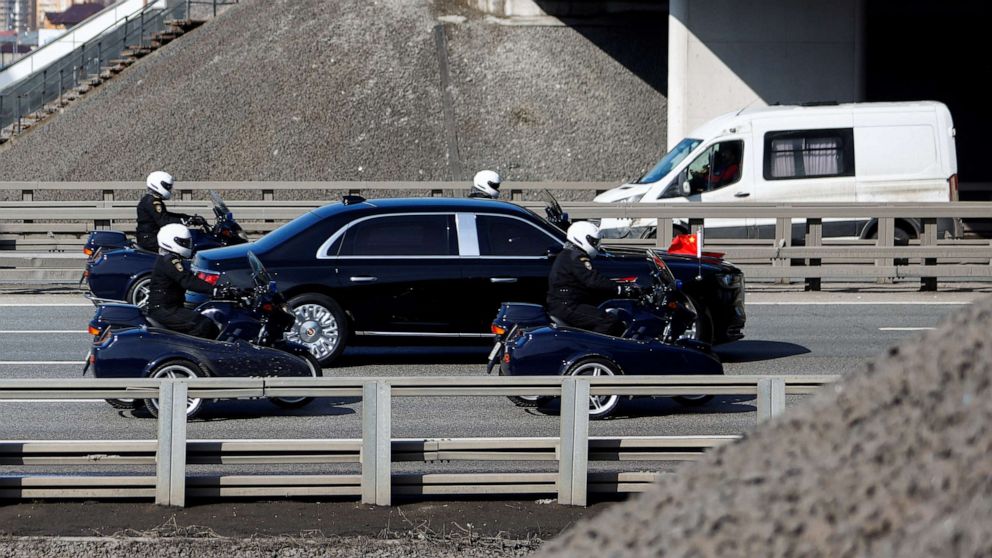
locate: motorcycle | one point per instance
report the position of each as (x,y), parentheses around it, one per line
(118,270)
(531,342)
(252,322)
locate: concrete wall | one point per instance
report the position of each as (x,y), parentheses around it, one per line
(726,54)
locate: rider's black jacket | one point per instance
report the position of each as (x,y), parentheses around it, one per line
(152,216)
(169,282)
(478,194)
(574,281)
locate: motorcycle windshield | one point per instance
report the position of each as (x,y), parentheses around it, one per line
(258,271)
(662,269)
(219,206)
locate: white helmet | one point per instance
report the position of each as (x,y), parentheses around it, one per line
(585,235)
(487,182)
(175,238)
(160,183)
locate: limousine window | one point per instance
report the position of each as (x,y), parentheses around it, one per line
(401,235)
(809,154)
(503,236)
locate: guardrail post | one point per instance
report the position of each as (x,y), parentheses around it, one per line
(929,238)
(783,237)
(573,461)
(376,444)
(170,484)
(814,238)
(886,238)
(771,398)
(664,231)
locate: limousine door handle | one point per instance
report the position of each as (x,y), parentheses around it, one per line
(363,279)
(503,280)
(742,194)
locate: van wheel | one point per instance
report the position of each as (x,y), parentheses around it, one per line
(902,238)
(320,325)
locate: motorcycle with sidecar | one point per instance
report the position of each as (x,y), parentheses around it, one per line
(253,322)
(531,342)
(118,270)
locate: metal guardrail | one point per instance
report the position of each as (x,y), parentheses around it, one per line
(376,451)
(927,257)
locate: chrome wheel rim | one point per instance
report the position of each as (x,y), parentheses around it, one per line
(691,331)
(598,404)
(176,372)
(140,295)
(316,328)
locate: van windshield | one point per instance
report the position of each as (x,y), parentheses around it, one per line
(669,161)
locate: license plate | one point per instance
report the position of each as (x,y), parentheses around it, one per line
(495,351)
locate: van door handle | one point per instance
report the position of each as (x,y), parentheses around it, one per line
(503,280)
(742,194)
(363,279)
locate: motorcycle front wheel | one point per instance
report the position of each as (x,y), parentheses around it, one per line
(296,402)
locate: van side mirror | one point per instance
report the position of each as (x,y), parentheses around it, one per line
(686,188)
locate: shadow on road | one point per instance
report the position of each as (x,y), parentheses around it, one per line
(640,407)
(232,409)
(361,356)
(757,350)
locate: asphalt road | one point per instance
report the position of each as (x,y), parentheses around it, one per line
(783,337)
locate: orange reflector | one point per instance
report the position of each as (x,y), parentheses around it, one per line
(88,251)
(93,331)
(497,329)
(506,357)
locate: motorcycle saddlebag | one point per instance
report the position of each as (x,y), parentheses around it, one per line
(521,314)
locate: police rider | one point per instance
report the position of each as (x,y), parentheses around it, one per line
(574,287)
(171,279)
(152,213)
(485,185)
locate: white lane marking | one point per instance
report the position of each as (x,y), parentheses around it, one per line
(16,362)
(2,401)
(857,303)
(26,304)
(905,328)
(43,331)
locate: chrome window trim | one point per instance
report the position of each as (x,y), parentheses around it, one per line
(322,250)
(420,334)
(468,235)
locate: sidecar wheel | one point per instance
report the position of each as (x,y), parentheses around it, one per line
(176,369)
(600,406)
(321,326)
(693,400)
(296,402)
(125,404)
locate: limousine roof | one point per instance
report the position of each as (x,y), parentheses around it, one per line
(387,205)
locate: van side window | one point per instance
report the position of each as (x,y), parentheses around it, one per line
(809,154)
(718,166)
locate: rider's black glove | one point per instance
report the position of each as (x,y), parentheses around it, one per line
(225,292)
(196,221)
(629,290)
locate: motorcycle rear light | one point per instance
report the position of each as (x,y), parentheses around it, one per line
(267,307)
(211,278)
(631,279)
(498,330)
(506,358)
(93,331)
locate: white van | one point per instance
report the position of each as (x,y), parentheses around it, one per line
(859,152)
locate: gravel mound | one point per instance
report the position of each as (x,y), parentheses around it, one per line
(352,90)
(896,461)
(283,547)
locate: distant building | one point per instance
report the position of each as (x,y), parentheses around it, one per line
(54,6)
(72,16)
(18,15)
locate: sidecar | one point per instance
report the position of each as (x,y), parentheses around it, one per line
(561,350)
(153,352)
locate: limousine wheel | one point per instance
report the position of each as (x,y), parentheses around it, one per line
(320,325)
(138,295)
